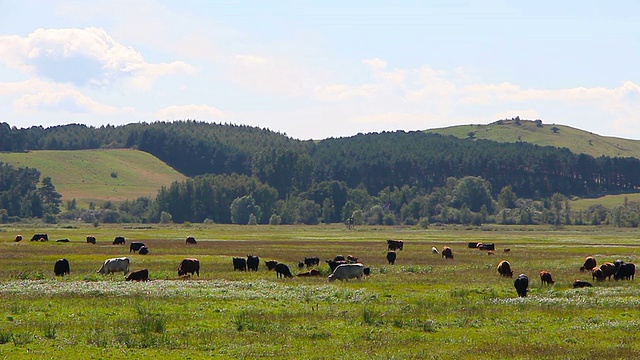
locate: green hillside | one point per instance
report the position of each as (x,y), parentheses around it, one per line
(576,140)
(86,175)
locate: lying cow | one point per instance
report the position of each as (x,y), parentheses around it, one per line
(189,266)
(504,268)
(138,275)
(62,240)
(581,284)
(115,265)
(347,271)
(312,272)
(61,267)
(521,284)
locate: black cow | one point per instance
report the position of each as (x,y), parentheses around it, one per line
(283,270)
(472,245)
(189,265)
(253,262)
(447,253)
(521,284)
(62,240)
(366,271)
(91,239)
(581,284)
(339,258)
(138,275)
(391,257)
(40,237)
(143,250)
(395,244)
(333,264)
(135,246)
(191,240)
(312,261)
(61,267)
(625,271)
(119,240)
(239,264)
(271,264)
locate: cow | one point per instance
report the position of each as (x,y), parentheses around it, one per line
(434,250)
(271,264)
(507,250)
(521,284)
(472,245)
(300,264)
(391,257)
(589,264)
(239,264)
(339,258)
(189,266)
(581,284)
(63,240)
(283,270)
(625,272)
(352,259)
(114,265)
(347,271)
(40,237)
(367,271)
(504,268)
(489,246)
(333,264)
(252,262)
(135,246)
(119,240)
(91,239)
(605,270)
(545,278)
(18,238)
(191,240)
(143,250)
(447,253)
(312,261)
(138,275)
(617,263)
(395,244)
(312,272)
(61,267)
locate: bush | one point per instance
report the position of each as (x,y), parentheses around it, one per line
(252,220)
(424,222)
(388,219)
(275,220)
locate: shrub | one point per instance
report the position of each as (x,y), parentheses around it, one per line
(275,220)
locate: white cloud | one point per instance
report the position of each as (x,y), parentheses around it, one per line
(191,112)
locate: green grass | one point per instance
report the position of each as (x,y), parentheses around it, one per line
(85,175)
(424,307)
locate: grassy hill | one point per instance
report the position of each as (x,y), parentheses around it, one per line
(576,140)
(86,175)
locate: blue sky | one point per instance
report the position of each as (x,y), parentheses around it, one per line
(318,69)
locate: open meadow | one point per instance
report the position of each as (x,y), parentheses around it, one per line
(423,307)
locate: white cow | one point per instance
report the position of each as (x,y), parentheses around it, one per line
(347,271)
(434,250)
(115,265)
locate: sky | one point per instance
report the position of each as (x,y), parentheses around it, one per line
(320,69)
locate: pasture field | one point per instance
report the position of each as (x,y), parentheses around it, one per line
(423,307)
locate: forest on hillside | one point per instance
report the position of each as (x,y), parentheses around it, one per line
(403,176)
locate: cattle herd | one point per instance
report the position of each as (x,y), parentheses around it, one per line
(342,268)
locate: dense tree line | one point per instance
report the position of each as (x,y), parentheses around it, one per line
(22,195)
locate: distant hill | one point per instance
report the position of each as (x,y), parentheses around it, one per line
(535,132)
(98,175)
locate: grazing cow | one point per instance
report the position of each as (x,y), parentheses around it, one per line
(18,238)
(115,265)
(339,258)
(472,245)
(271,264)
(521,284)
(395,244)
(40,237)
(253,262)
(143,250)
(391,257)
(605,270)
(135,246)
(434,250)
(300,264)
(545,278)
(119,240)
(61,267)
(138,275)
(352,259)
(333,264)
(62,240)
(91,239)
(312,272)
(312,261)
(589,264)
(447,253)
(581,284)
(189,266)
(625,272)
(191,240)
(239,264)
(504,268)
(283,270)
(347,271)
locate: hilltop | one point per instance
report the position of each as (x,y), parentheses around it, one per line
(536,132)
(98,175)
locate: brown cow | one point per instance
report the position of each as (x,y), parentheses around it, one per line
(447,253)
(545,277)
(589,264)
(606,270)
(191,240)
(312,272)
(18,238)
(504,268)
(189,265)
